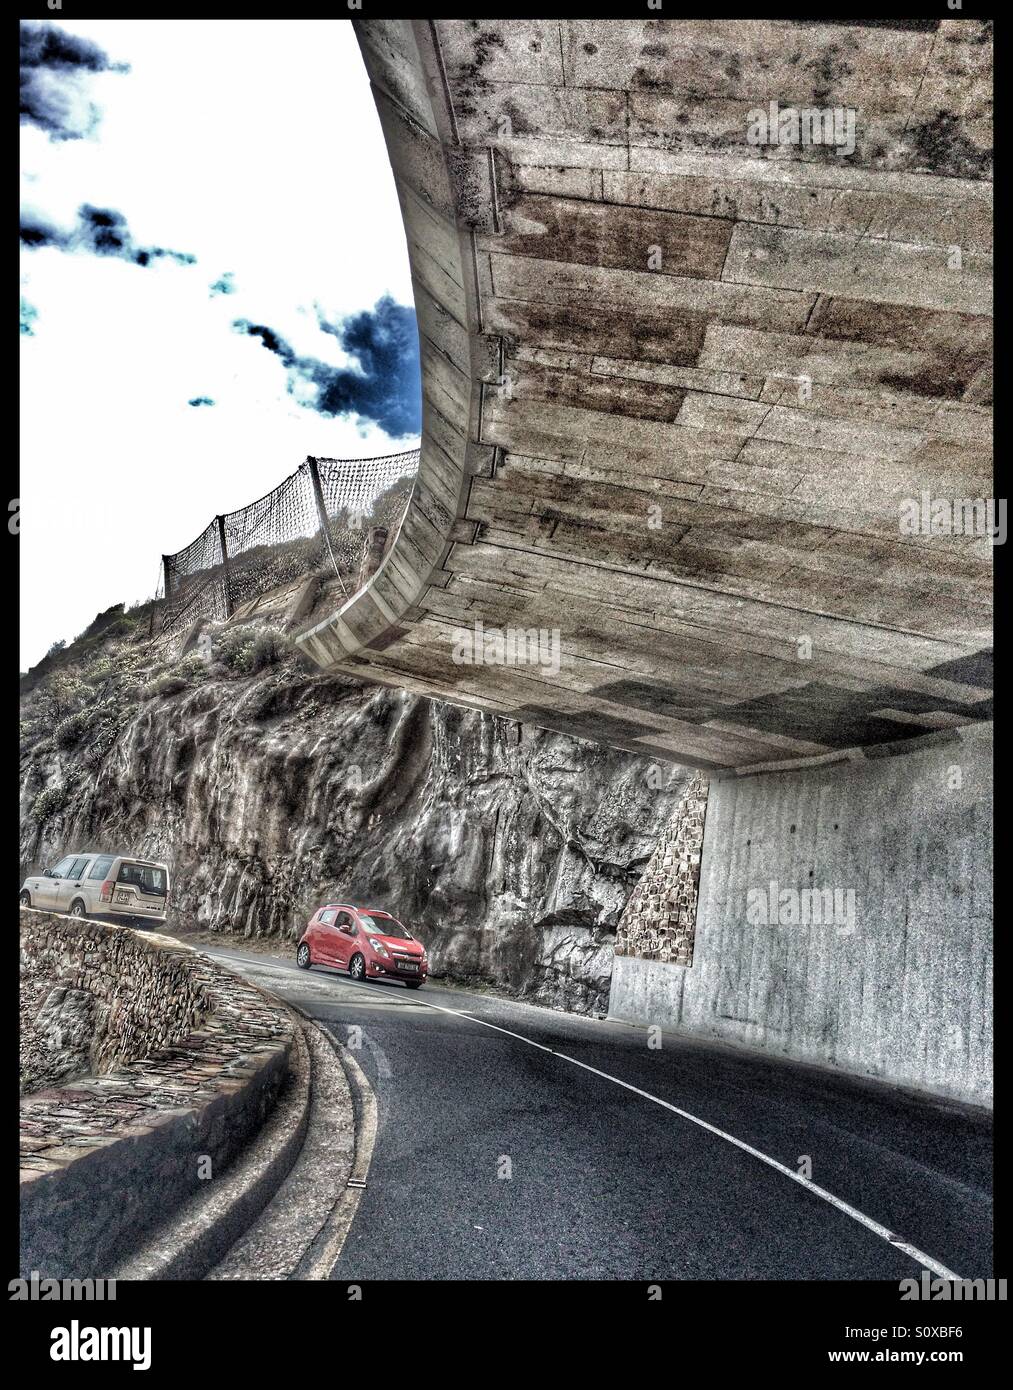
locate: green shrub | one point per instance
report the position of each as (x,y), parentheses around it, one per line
(100,671)
(193,669)
(48,802)
(163,685)
(246,650)
(61,695)
(69,731)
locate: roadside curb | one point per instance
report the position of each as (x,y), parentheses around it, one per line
(300,1233)
(321,1258)
(208,1225)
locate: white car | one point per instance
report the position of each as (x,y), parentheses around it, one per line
(101,885)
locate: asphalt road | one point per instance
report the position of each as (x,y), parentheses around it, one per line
(496,1159)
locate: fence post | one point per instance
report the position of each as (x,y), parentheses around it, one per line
(167,576)
(325,525)
(376,541)
(225,566)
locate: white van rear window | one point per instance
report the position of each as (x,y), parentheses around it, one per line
(149,878)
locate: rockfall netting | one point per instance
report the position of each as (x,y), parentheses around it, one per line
(319,517)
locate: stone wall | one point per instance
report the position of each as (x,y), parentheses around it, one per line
(105,1158)
(659,922)
(139,993)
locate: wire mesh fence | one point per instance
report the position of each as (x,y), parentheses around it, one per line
(319,517)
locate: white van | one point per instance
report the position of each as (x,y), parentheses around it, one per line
(116,886)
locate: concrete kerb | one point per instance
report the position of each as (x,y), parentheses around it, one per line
(323,1254)
(301,1233)
(206,1227)
(284,1210)
(282,1207)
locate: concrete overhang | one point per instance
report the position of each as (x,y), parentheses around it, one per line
(691,403)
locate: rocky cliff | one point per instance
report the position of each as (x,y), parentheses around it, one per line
(268,789)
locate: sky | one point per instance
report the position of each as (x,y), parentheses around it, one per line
(214,284)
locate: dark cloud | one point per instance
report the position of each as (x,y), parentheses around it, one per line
(29,314)
(201,400)
(385,389)
(99,232)
(54,71)
(223,285)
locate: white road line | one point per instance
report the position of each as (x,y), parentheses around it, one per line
(926,1261)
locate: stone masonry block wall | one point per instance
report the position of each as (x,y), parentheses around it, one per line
(145,993)
(659,921)
(107,1157)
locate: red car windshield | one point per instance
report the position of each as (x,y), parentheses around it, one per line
(387,926)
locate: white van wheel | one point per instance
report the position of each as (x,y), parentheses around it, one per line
(77,908)
(26,899)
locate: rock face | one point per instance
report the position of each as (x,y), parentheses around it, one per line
(56,1033)
(512,851)
(659,922)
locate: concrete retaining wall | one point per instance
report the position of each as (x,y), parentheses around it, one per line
(898,987)
(106,1158)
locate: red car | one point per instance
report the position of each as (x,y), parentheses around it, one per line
(366,942)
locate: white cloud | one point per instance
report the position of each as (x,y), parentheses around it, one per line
(255,146)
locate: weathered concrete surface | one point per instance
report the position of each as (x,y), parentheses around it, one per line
(677,386)
(907,994)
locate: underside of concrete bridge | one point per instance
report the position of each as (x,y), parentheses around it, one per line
(699,405)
